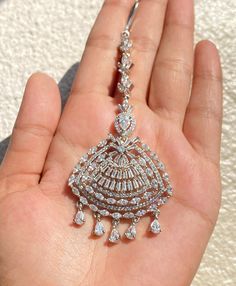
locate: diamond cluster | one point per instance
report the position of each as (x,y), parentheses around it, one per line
(121,177)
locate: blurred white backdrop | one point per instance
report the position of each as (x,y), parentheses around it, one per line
(49,36)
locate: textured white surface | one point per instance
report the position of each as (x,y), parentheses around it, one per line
(49,35)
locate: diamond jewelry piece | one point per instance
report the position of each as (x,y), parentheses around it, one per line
(121,177)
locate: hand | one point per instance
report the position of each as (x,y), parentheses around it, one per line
(39,245)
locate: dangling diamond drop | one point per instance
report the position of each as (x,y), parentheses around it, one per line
(99,229)
(155,226)
(80,218)
(114,236)
(131,232)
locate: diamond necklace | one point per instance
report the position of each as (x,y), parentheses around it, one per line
(121,177)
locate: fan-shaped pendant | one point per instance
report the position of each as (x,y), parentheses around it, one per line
(121,177)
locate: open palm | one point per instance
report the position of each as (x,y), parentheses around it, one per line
(39,245)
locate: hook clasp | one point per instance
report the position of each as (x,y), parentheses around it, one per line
(132,15)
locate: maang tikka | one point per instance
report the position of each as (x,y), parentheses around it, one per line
(121,177)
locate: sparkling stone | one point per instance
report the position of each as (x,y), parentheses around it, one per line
(111,201)
(116,215)
(147,195)
(149,172)
(77,168)
(75,191)
(123,202)
(142,161)
(161,166)
(104,212)
(80,218)
(114,236)
(154,183)
(84,158)
(99,196)
(99,229)
(124,121)
(89,189)
(92,150)
(162,201)
(93,208)
(135,201)
(152,208)
(102,143)
(141,213)
(128,215)
(165,176)
(145,147)
(155,227)
(71,180)
(83,200)
(131,232)
(121,149)
(169,191)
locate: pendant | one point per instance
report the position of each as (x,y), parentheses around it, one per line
(121,177)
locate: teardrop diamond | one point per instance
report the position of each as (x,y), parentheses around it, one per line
(99,229)
(114,236)
(155,227)
(80,218)
(131,232)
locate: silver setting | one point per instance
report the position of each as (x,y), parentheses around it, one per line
(121,177)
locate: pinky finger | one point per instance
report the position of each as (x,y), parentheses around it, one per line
(203,120)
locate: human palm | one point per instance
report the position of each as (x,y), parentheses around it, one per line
(39,244)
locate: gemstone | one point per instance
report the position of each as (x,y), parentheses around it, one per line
(149,172)
(83,200)
(89,189)
(135,201)
(140,213)
(165,176)
(114,236)
(124,121)
(161,166)
(128,215)
(84,159)
(123,202)
(154,183)
(99,196)
(75,191)
(92,150)
(155,227)
(93,208)
(71,180)
(152,208)
(169,191)
(121,149)
(116,215)
(111,201)
(142,161)
(131,232)
(80,218)
(99,229)
(104,212)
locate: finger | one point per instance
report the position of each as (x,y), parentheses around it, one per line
(146,34)
(172,73)
(33,132)
(203,119)
(97,68)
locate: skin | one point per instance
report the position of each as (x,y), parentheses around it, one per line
(178,107)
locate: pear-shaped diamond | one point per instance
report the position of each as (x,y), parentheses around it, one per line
(79,218)
(131,232)
(99,229)
(155,227)
(114,236)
